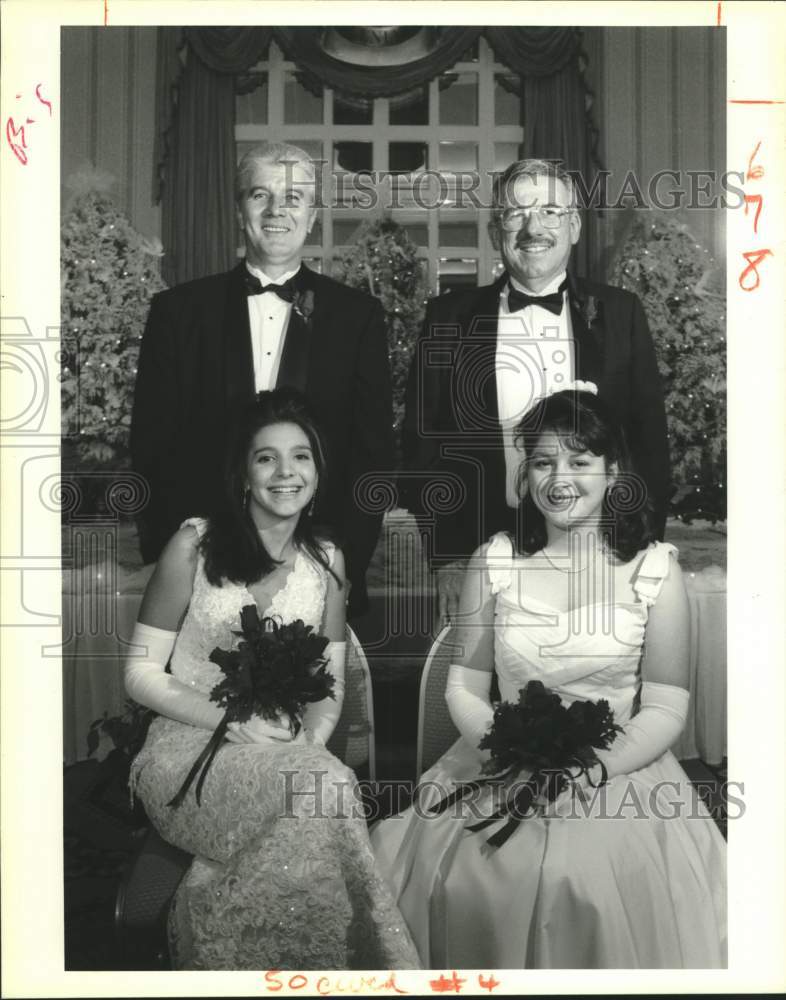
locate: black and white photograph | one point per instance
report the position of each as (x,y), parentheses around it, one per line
(384,542)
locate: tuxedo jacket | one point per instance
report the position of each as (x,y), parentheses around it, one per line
(196,367)
(454,464)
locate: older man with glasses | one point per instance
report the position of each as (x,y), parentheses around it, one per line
(486,354)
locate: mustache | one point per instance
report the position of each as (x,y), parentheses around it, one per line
(528,241)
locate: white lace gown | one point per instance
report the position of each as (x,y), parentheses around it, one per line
(638,882)
(284,876)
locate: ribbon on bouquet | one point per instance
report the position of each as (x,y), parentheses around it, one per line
(202,764)
(519,805)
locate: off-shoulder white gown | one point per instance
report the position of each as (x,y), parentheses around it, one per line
(637,882)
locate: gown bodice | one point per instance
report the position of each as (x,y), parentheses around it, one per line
(591,652)
(213,615)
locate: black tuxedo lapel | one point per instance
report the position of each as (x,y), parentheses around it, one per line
(589,345)
(479,350)
(239,359)
(295,355)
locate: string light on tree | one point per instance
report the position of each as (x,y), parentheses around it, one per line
(683,290)
(109,274)
(384,262)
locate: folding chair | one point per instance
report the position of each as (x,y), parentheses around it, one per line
(154,873)
(436,731)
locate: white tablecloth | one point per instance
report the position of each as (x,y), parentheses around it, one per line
(92,670)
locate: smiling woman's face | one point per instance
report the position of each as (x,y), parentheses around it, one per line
(280,473)
(567,486)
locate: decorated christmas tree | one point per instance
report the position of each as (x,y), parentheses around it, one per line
(109,273)
(682,290)
(384,262)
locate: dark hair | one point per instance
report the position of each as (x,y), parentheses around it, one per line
(232,547)
(586,424)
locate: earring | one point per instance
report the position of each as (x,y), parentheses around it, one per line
(312,505)
(246,495)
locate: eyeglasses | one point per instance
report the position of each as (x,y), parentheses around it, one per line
(512,219)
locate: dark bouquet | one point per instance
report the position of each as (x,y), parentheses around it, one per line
(538,733)
(276,670)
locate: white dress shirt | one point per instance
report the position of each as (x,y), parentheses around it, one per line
(268,316)
(534,357)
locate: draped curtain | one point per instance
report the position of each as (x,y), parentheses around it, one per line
(195,127)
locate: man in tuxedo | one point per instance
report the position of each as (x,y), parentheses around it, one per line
(486,354)
(211,344)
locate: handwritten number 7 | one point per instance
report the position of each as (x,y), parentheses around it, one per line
(758,200)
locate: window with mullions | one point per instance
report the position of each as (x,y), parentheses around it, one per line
(425,157)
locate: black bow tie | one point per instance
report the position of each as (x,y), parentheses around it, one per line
(254,286)
(553,302)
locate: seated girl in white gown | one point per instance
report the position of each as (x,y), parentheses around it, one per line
(284,875)
(625,869)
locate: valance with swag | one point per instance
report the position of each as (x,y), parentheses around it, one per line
(194,156)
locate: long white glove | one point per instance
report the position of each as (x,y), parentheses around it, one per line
(148,683)
(651,732)
(320,717)
(467,694)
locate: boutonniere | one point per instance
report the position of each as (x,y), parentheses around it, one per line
(303,304)
(589,310)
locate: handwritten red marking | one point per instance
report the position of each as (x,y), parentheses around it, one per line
(43,100)
(272,982)
(391,984)
(753,101)
(106,12)
(719,14)
(754,258)
(754,173)
(445,985)
(11,133)
(488,984)
(759,201)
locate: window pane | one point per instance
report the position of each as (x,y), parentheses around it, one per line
(407,157)
(352,190)
(355,157)
(410,108)
(507,105)
(417,232)
(314,238)
(349,114)
(458,156)
(505,153)
(461,231)
(458,99)
(300,105)
(251,107)
(344,230)
(457,274)
(315,263)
